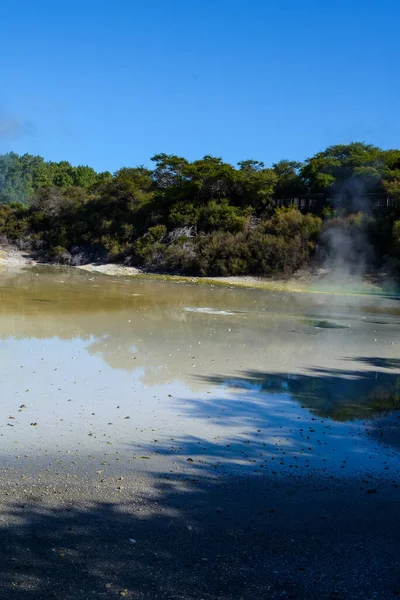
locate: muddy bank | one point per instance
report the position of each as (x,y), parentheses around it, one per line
(305,280)
(12,258)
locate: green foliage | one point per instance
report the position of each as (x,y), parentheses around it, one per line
(222,254)
(222,216)
(21,176)
(288,222)
(255,186)
(15,181)
(202,217)
(183,214)
(396,238)
(358,164)
(289,183)
(132,187)
(392,187)
(169,171)
(51,201)
(179,257)
(278,246)
(60,255)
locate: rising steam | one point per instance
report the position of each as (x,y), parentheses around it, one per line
(13,128)
(346,253)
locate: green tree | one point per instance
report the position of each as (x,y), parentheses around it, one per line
(62,174)
(289,183)
(332,170)
(132,187)
(15,180)
(255,185)
(84,176)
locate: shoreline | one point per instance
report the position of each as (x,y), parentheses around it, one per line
(192,537)
(306,280)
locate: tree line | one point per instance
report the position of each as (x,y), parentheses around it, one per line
(205,216)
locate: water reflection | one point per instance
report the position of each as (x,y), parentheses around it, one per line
(192,334)
(119,367)
(338,394)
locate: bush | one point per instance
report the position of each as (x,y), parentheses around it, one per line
(179,257)
(144,249)
(52,201)
(222,216)
(60,255)
(254,252)
(280,245)
(271,255)
(396,238)
(288,222)
(183,214)
(221,254)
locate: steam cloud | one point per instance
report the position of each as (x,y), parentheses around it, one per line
(13,128)
(347,252)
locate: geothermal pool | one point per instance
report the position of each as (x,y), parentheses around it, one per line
(98,372)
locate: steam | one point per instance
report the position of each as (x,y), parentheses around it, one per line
(13,128)
(347,254)
(351,195)
(13,185)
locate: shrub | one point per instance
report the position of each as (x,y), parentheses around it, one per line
(396,238)
(221,254)
(145,248)
(280,245)
(220,215)
(276,254)
(179,257)
(52,201)
(183,214)
(288,222)
(60,255)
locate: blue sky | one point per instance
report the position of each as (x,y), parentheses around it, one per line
(109,84)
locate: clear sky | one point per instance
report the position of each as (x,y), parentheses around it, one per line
(110,83)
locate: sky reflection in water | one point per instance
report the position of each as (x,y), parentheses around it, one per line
(223,376)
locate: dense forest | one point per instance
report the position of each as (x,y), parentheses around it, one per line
(204,217)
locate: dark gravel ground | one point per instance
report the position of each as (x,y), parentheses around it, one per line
(194,536)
